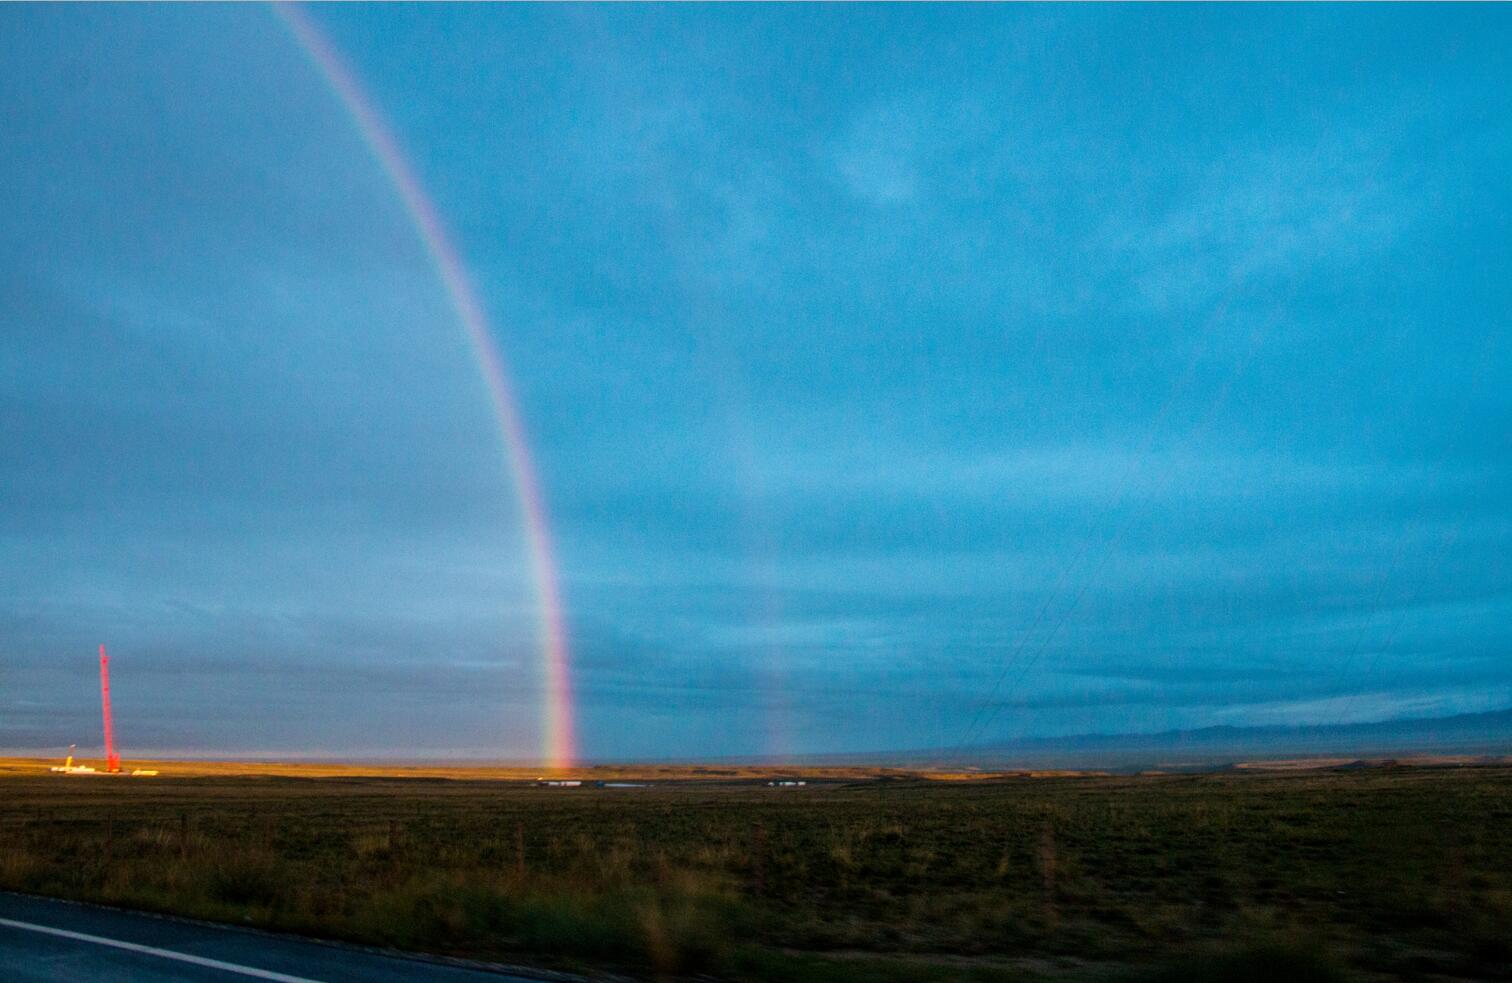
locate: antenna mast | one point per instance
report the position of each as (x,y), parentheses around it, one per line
(112,760)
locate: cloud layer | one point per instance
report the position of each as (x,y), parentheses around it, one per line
(898,377)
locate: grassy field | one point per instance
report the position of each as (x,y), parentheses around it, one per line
(1305,875)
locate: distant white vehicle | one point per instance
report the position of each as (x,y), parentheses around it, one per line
(558,782)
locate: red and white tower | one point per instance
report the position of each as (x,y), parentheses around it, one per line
(112,760)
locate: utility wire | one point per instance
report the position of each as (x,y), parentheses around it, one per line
(1206,422)
(991,705)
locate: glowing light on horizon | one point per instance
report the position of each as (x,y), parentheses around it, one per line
(559,744)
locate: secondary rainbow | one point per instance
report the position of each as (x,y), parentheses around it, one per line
(559,745)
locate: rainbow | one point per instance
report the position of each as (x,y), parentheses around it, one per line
(559,744)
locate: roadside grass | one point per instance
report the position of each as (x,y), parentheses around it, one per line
(1313,877)
(1272,963)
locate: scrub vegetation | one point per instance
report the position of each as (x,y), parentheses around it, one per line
(1312,875)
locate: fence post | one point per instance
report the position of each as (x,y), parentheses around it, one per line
(758,852)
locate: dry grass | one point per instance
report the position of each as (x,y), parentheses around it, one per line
(1366,872)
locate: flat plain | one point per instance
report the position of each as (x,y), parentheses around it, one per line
(1330,873)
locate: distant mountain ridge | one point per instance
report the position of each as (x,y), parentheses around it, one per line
(1486,733)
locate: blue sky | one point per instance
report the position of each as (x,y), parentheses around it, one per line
(898,376)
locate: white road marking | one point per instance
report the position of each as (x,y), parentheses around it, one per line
(183,957)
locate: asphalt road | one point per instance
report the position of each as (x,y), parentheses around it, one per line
(59,942)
